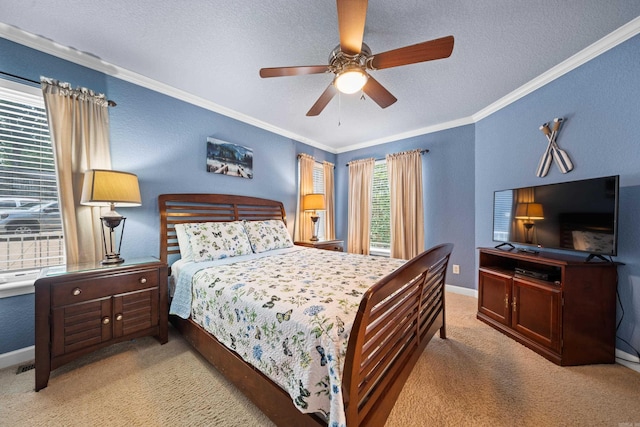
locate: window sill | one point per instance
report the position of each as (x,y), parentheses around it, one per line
(380,252)
(17,288)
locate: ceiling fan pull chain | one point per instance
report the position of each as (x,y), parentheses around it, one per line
(339,108)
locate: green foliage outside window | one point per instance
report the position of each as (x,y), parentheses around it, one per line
(381,208)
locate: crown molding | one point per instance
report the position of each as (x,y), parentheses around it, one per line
(596,49)
(91,61)
(410,134)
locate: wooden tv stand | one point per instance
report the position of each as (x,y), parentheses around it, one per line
(567,317)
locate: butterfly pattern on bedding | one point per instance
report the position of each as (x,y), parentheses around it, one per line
(290,316)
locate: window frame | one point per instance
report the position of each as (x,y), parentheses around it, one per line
(20,281)
(375,250)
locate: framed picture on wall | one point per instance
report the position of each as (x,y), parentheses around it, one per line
(230,159)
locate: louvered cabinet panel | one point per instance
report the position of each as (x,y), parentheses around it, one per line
(135,311)
(81,325)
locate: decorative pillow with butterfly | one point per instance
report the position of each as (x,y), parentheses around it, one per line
(216,240)
(267,235)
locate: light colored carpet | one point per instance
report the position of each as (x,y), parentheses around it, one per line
(477,377)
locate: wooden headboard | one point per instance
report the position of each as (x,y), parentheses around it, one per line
(593,222)
(183,208)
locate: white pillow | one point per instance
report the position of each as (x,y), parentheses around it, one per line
(267,235)
(183,241)
(216,240)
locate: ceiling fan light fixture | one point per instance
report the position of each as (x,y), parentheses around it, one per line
(351,80)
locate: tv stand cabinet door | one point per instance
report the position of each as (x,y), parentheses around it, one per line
(537,313)
(494,296)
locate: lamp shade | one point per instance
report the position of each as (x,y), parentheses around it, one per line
(313,202)
(110,188)
(529,211)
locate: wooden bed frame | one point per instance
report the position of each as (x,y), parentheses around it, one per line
(396,319)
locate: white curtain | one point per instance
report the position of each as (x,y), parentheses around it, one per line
(304,227)
(329,200)
(407,211)
(360,191)
(79,128)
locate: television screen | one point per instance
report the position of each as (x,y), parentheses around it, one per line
(578,216)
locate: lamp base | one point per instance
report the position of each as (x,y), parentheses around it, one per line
(111,222)
(112,259)
(314,220)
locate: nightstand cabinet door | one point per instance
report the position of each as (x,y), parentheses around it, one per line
(135,311)
(78,326)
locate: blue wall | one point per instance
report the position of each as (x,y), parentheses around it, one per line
(600,102)
(17,322)
(448,180)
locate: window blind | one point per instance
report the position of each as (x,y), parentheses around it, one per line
(30,225)
(318,187)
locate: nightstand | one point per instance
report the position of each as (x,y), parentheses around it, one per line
(81,308)
(329,245)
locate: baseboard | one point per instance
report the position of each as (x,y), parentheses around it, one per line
(17,357)
(628,360)
(460,290)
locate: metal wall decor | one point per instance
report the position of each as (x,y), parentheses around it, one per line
(553,152)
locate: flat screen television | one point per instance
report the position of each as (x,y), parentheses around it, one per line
(580,216)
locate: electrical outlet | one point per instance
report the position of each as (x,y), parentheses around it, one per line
(456,269)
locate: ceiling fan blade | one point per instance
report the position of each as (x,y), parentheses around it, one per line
(293,71)
(322,102)
(378,93)
(352,15)
(421,52)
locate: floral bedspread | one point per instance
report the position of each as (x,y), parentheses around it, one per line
(290,316)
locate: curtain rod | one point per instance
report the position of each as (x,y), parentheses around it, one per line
(423,151)
(316,161)
(37,83)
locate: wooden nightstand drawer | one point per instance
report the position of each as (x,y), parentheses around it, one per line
(99,287)
(330,246)
(327,245)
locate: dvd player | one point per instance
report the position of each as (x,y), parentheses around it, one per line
(549,276)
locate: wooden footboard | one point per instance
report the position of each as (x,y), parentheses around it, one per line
(396,319)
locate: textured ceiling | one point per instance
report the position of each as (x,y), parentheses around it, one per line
(213,49)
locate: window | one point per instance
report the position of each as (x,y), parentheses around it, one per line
(318,187)
(380,238)
(30,225)
(503,202)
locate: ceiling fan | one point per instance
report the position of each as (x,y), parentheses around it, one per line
(352,58)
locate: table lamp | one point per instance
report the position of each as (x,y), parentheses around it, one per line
(529,212)
(110,188)
(313,202)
